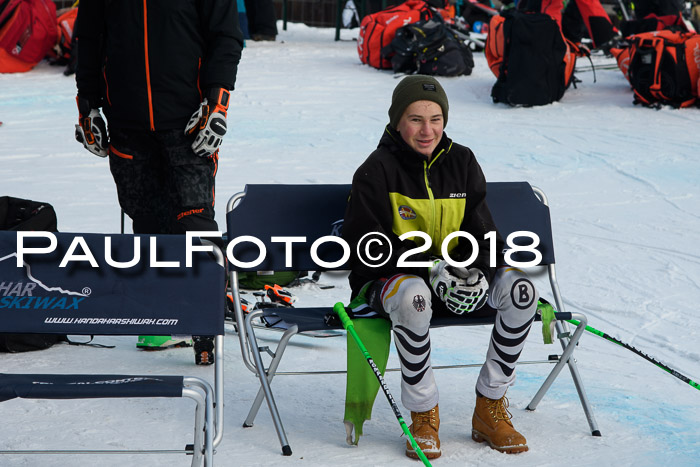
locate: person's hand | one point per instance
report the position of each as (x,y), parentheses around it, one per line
(209,123)
(91,129)
(462,289)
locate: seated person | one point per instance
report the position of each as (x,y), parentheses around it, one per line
(418,179)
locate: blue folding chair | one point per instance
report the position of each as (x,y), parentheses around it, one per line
(158,295)
(313,212)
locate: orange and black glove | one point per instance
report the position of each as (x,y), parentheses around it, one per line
(91,130)
(209,123)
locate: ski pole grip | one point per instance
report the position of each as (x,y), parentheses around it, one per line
(563,316)
(339,309)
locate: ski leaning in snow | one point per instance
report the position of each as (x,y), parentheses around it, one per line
(271,321)
(602,66)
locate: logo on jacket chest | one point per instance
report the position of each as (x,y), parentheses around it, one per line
(407,213)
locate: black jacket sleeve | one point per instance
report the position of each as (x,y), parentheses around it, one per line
(89,32)
(224,43)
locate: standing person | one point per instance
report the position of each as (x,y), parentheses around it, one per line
(575,18)
(587,13)
(161,71)
(654,15)
(262,23)
(418,179)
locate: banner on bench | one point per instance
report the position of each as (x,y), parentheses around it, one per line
(109,284)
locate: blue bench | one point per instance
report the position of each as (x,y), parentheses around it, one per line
(313,212)
(157,295)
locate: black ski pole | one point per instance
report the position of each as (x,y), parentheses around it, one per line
(339,309)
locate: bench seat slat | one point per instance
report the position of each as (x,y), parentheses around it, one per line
(78,386)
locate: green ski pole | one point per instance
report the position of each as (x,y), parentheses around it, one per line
(544,305)
(339,309)
(649,358)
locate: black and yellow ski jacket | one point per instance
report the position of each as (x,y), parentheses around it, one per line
(397,190)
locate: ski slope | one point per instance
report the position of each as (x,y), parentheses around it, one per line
(623,183)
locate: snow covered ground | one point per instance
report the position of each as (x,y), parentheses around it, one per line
(623,183)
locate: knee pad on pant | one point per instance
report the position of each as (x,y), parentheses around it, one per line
(512,291)
(407,300)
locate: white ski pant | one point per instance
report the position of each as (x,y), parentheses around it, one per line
(407,299)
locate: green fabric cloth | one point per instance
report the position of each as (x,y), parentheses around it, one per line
(361,383)
(547,314)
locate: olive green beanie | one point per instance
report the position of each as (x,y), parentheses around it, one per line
(416,88)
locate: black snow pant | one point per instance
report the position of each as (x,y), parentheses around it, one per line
(162,185)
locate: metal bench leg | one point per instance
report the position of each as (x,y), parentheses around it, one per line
(568,346)
(218,396)
(204,436)
(265,386)
(199,448)
(271,371)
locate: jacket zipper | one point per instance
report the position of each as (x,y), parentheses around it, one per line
(148,72)
(433,210)
(426,176)
(104,75)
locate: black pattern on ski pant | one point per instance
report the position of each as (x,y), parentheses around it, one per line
(407,300)
(161,183)
(514,298)
(410,304)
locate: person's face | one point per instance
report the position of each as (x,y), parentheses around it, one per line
(421,126)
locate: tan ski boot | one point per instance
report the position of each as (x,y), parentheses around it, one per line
(491,423)
(424,429)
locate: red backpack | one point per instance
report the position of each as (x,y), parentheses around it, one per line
(378,29)
(663,67)
(27,33)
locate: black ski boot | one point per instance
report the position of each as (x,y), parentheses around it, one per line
(203,350)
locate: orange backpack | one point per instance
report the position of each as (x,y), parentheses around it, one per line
(66,25)
(27,33)
(663,67)
(378,29)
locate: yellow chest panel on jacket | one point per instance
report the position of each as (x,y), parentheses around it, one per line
(436,217)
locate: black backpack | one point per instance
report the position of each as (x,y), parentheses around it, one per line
(536,66)
(27,342)
(23,214)
(429,47)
